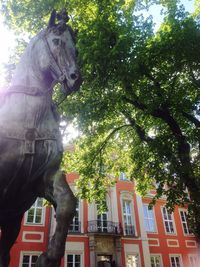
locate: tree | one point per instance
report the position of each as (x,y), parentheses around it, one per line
(138,109)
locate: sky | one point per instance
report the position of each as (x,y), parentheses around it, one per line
(8,41)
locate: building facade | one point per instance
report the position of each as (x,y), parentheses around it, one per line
(129,234)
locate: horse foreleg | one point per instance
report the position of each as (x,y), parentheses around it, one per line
(65,211)
(9,233)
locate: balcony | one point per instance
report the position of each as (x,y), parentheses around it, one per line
(75,227)
(104,227)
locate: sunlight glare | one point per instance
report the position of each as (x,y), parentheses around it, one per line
(7,44)
(69,132)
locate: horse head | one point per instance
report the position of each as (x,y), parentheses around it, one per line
(60,53)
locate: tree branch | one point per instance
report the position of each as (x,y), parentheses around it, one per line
(158,113)
(139,130)
(183,146)
(194,81)
(104,143)
(191,118)
(156,83)
(146,72)
(135,103)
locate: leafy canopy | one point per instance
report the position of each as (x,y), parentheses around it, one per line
(138,108)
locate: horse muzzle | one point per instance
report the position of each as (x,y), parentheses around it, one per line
(71,83)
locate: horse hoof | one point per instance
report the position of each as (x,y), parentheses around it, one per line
(44,261)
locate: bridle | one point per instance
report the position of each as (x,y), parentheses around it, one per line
(54,66)
(56,69)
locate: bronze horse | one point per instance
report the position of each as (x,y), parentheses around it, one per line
(30,141)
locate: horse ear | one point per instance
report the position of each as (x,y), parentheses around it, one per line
(52,19)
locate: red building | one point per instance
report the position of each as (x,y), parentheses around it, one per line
(128,235)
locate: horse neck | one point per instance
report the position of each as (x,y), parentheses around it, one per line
(28,73)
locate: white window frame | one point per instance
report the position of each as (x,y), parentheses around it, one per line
(74,253)
(157,256)
(102,221)
(126,215)
(176,256)
(35,207)
(168,221)
(149,218)
(184,222)
(134,255)
(28,253)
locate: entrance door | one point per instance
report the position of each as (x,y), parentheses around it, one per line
(104,261)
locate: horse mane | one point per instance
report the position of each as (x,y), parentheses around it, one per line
(35,39)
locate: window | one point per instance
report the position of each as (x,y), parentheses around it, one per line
(123,176)
(175,261)
(127,216)
(155,261)
(193,260)
(29,260)
(102,222)
(35,213)
(132,261)
(75,225)
(73,260)
(168,221)
(149,221)
(186,229)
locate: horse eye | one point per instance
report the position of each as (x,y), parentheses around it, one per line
(56,41)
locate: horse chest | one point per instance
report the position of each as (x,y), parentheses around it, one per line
(29,119)
(21,110)
(37,111)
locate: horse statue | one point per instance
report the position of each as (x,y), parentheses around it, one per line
(30,141)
